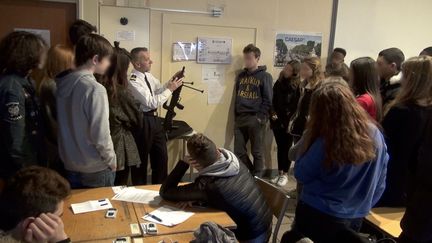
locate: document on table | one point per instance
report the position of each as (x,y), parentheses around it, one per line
(90,206)
(135,195)
(168,216)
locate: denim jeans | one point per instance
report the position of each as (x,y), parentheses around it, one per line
(91,180)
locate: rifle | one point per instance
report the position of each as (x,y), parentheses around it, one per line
(175,102)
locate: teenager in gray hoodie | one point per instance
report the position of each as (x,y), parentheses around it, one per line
(85,144)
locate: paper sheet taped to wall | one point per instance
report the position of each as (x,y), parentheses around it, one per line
(215,93)
(212,73)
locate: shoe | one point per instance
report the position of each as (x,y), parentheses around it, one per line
(275,179)
(283,180)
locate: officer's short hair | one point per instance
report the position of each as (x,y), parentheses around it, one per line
(30,192)
(20,52)
(89,46)
(80,28)
(136,51)
(393,55)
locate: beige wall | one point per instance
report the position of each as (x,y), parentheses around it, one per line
(246,22)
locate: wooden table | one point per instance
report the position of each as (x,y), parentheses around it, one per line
(387,220)
(94,226)
(180,238)
(190,225)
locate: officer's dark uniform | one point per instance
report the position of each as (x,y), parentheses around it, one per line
(21,136)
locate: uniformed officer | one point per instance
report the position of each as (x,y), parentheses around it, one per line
(21,137)
(151,94)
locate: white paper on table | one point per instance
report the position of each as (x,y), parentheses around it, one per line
(117,189)
(135,195)
(215,93)
(170,216)
(90,206)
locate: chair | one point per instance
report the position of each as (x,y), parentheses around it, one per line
(277,200)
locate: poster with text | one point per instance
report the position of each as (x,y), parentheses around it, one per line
(214,50)
(296,46)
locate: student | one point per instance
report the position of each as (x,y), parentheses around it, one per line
(285,99)
(253,94)
(125,116)
(21,126)
(31,206)
(416,223)
(59,59)
(311,73)
(80,28)
(389,63)
(405,127)
(365,85)
(223,183)
(342,165)
(85,144)
(151,95)
(426,52)
(337,66)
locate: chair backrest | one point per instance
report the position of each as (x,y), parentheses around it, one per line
(276,199)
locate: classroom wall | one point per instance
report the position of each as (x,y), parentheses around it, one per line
(246,22)
(384,24)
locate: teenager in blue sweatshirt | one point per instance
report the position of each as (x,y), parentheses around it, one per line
(342,165)
(253,101)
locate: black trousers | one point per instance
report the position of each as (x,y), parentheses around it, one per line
(248,127)
(284,142)
(152,143)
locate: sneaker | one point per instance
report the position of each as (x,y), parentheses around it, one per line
(275,179)
(283,180)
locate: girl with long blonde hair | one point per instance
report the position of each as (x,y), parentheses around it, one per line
(405,127)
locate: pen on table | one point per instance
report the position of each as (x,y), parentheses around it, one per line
(154,217)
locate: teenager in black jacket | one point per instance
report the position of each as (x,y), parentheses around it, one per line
(223,183)
(405,129)
(285,99)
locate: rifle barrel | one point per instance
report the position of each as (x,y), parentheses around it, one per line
(199,90)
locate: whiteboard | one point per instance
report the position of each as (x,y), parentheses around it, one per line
(364,28)
(134,34)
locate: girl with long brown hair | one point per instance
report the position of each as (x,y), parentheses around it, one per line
(405,127)
(342,165)
(124,116)
(364,81)
(59,59)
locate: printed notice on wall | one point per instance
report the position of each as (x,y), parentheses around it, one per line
(212,73)
(214,50)
(125,35)
(184,51)
(45,34)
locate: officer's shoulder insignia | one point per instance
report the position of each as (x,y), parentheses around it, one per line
(133,77)
(13,111)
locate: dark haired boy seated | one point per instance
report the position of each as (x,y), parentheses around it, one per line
(31,205)
(223,183)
